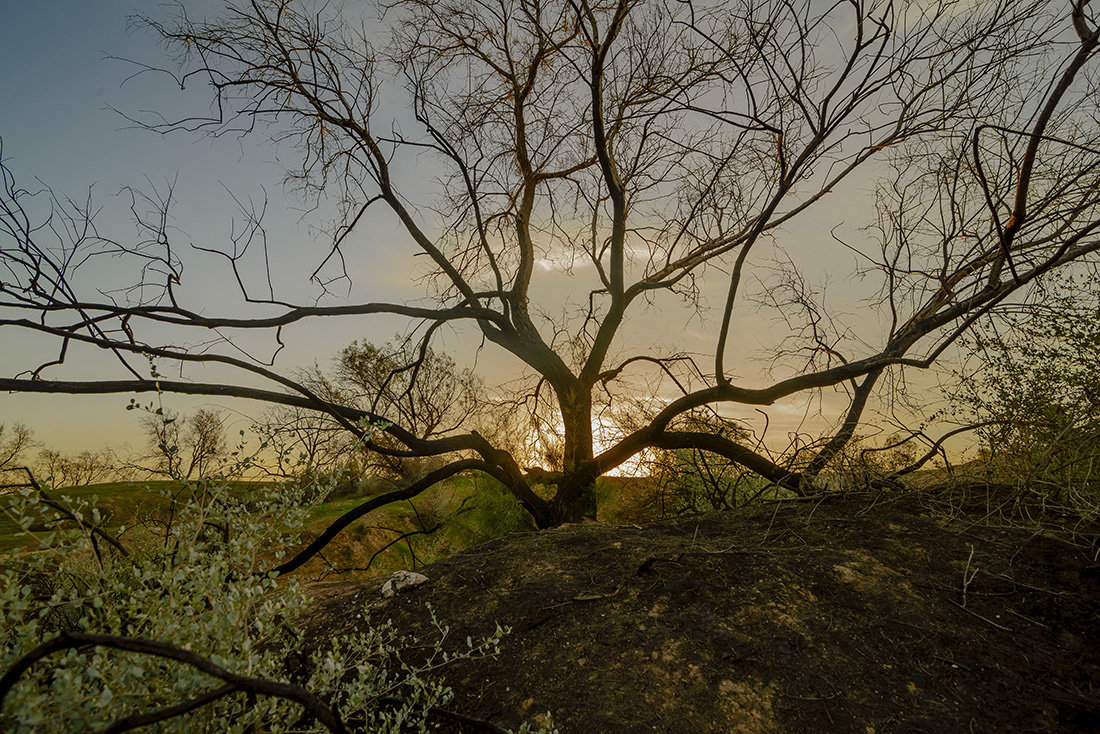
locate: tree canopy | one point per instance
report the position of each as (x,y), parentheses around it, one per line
(640,148)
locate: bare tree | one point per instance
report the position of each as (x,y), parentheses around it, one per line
(415,386)
(182,447)
(163,439)
(204,440)
(303,441)
(15,440)
(642,150)
(411,384)
(78,469)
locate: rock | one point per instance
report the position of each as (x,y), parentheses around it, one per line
(402,580)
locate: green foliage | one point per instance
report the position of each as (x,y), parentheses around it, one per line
(473,508)
(465,511)
(497,512)
(198,581)
(1037,386)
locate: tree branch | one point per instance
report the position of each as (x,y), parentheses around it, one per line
(75,639)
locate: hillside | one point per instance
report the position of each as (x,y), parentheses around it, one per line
(807,616)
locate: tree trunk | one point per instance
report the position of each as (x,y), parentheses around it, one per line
(575,498)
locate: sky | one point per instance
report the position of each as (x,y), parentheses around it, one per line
(61,124)
(69,86)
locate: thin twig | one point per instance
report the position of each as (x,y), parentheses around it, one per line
(971,612)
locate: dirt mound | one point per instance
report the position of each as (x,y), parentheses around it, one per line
(791,617)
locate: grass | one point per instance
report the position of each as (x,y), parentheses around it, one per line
(119,503)
(468,511)
(474,508)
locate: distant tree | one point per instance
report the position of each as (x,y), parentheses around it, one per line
(635,151)
(183,447)
(413,386)
(397,382)
(79,469)
(204,441)
(302,442)
(15,440)
(163,444)
(51,466)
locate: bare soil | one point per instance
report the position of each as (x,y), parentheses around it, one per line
(838,615)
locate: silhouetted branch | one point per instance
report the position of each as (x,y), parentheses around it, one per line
(136,721)
(429,480)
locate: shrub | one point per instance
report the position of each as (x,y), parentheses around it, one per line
(497,512)
(1036,389)
(197,582)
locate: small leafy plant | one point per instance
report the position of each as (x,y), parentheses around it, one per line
(177,622)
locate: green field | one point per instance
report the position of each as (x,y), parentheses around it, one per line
(119,503)
(468,509)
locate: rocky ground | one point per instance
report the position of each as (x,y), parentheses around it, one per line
(851,614)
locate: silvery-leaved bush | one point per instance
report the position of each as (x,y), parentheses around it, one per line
(198,581)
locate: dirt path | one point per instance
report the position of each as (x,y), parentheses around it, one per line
(795,617)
